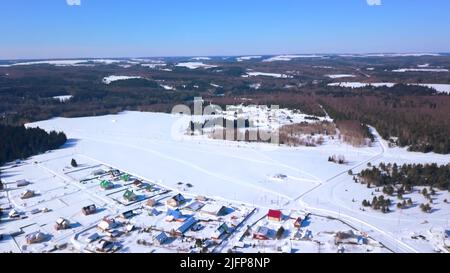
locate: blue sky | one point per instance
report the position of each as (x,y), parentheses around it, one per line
(115,28)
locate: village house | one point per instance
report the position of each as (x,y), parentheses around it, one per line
(35,237)
(138,184)
(175,215)
(103,246)
(106,185)
(127,214)
(91,238)
(129,196)
(106,224)
(27,194)
(262,233)
(201,198)
(125,177)
(195,206)
(62,223)
(13,214)
(186,226)
(151,203)
(215,210)
(298,222)
(160,239)
(221,230)
(88,210)
(114,173)
(274,215)
(176,201)
(154,212)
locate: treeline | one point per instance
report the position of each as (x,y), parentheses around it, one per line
(407,176)
(18,142)
(420,122)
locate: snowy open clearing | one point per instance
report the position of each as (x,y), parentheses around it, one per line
(402,70)
(110,79)
(338,76)
(265,74)
(153,147)
(195,65)
(84,62)
(247,58)
(286,58)
(63,98)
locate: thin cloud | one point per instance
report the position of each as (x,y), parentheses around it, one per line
(73,2)
(374,2)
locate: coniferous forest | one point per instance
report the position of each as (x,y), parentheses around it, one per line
(18,142)
(408,175)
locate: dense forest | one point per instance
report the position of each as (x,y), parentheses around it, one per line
(407,176)
(18,142)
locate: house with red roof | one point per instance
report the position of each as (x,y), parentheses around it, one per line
(275,215)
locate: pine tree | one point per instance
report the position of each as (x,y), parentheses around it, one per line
(74,163)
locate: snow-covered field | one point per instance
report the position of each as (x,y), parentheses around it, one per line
(71,62)
(265,74)
(63,98)
(286,58)
(247,58)
(195,65)
(402,70)
(153,147)
(338,76)
(113,78)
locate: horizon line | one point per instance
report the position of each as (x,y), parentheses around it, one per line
(221,56)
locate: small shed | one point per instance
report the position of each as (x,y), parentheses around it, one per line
(22,183)
(98,172)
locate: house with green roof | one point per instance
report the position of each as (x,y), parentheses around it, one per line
(129,196)
(106,185)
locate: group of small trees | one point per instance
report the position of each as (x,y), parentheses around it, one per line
(425,207)
(405,204)
(340,159)
(378,203)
